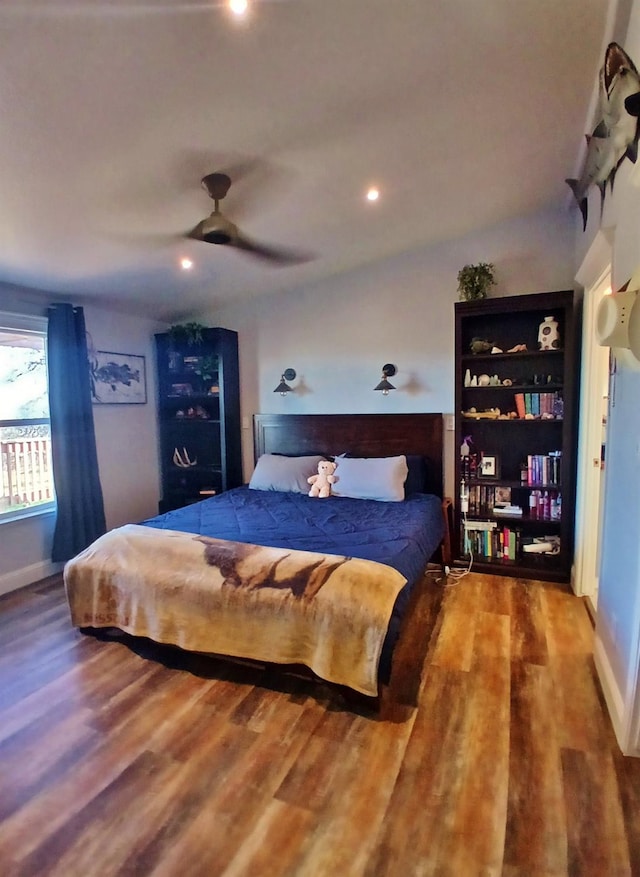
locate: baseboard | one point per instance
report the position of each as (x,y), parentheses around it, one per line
(618,711)
(20,578)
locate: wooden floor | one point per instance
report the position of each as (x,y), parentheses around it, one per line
(121,760)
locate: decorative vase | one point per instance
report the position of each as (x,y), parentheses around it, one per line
(175,361)
(548,335)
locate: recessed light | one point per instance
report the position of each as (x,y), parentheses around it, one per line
(238,7)
(373,194)
(186,264)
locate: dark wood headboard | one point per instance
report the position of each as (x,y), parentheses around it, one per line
(366,435)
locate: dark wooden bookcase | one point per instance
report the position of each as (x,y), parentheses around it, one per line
(199,416)
(516,450)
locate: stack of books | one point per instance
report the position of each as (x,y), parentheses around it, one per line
(508,510)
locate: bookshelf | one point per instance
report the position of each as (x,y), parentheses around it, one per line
(516,431)
(199,416)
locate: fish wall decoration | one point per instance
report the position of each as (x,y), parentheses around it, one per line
(615,136)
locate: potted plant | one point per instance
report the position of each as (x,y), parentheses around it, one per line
(474,281)
(186,333)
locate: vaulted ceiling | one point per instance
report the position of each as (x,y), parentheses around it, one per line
(463,113)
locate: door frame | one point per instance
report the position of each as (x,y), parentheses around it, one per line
(593,275)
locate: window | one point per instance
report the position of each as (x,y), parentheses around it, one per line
(26,479)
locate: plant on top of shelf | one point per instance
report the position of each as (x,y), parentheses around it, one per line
(187,333)
(207,367)
(474,281)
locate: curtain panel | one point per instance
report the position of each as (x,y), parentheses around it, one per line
(80,507)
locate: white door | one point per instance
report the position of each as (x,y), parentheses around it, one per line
(591,445)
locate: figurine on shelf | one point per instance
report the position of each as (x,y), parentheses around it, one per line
(517,348)
(488,414)
(479,345)
(182,460)
(548,334)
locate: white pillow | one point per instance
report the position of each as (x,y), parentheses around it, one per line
(380,478)
(288,474)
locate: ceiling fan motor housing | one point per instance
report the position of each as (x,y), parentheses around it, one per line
(217,229)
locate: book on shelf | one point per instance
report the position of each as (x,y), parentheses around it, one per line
(546,405)
(508,510)
(490,541)
(480,525)
(483,498)
(544,468)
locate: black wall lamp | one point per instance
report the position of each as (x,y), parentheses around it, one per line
(388,371)
(283,387)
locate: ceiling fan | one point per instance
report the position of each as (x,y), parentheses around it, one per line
(217,229)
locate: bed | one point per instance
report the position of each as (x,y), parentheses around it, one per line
(266,573)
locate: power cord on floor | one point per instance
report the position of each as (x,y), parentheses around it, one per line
(453,576)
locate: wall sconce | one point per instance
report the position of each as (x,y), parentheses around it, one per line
(283,387)
(388,371)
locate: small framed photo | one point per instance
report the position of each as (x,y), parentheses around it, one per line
(489,466)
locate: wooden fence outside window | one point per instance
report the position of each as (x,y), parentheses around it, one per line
(25,466)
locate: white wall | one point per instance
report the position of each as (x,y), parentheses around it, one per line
(618,621)
(126,437)
(338,335)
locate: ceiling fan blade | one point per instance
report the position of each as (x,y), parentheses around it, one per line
(274,255)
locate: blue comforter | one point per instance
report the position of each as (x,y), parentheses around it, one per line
(403,535)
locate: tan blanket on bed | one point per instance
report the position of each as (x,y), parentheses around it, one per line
(327,612)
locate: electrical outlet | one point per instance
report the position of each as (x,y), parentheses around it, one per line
(448,422)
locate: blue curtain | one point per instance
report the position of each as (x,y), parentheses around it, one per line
(80,518)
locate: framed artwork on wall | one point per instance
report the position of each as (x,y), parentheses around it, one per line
(117,378)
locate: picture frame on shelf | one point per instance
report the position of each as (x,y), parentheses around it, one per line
(489,466)
(117,378)
(502,496)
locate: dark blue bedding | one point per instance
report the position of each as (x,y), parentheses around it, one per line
(403,535)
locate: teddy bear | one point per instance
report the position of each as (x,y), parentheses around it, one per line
(321,483)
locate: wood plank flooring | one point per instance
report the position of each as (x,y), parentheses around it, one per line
(125,758)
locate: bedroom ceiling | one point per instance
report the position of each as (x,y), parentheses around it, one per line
(463,113)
